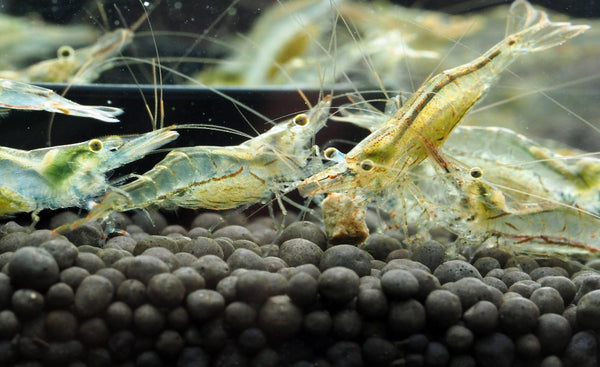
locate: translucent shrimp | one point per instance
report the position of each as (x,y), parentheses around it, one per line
(68,175)
(22,96)
(83,65)
(380,160)
(272,163)
(466,203)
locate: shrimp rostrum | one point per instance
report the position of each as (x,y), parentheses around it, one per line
(68,175)
(219,178)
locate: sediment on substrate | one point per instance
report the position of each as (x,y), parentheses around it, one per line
(242,294)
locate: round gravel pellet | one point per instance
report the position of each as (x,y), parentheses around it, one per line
(89,234)
(59,295)
(304,230)
(92,296)
(132,292)
(73,276)
(148,320)
(563,285)
(399,284)
(302,289)
(317,323)
(89,261)
(380,245)
(164,255)
(553,332)
(113,275)
(347,325)
(211,268)
(239,316)
(27,303)
(298,251)
(470,291)
(279,318)
(256,286)
(204,304)
(169,343)
(63,251)
(94,332)
(528,346)
(458,338)
(34,268)
(235,232)
(436,355)
(378,352)
(482,317)
(243,258)
(524,287)
(121,242)
(485,264)
(518,315)
(201,246)
(453,270)
(582,350)
(494,350)
(338,284)
(142,267)
(443,308)
(60,325)
(165,290)
(6,290)
(346,256)
(372,303)
(511,277)
(190,279)
(588,310)
(406,317)
(430,253)
(9,324)
(548,300)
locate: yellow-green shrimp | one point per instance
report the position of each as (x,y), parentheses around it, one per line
(82,65)
(68,175)
(272,163)
(432,112)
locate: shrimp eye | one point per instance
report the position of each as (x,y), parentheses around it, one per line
(330,152)
(95,145)
(301,120)
(476,172)
(367,165)
(65,52)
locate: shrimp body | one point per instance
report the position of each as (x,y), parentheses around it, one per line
(225,177)
(22,96)
(83,65)
(68,175)
(475,209)
(433,111)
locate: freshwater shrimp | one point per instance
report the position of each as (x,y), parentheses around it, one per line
(22,96)
(83,65)
(466,203)
(219,178)
(68,175)
(380,160)
(288,40)
(27,38)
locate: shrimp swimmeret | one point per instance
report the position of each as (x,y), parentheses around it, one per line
(432,112)
(22,96)
(68,175)
(211,177)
